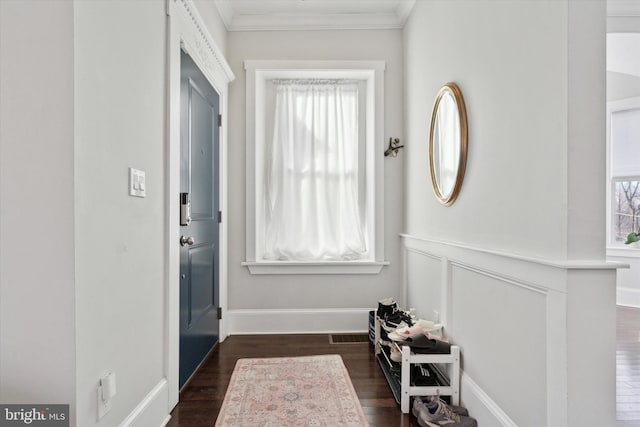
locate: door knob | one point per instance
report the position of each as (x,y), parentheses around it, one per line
(186,241)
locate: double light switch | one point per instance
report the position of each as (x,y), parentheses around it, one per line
(137,184)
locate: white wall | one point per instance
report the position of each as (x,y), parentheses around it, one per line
(518,132)
(37,311)
(515,266)
(323,292)
(515,128)
(82,289)
(120,81)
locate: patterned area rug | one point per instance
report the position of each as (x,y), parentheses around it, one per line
(291,391)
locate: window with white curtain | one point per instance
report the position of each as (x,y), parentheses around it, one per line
(313,203)
(314,167)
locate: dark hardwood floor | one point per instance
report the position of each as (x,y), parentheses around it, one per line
(201,399)
(628,367)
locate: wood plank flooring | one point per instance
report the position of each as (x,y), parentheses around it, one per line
(201,399)
(628,367)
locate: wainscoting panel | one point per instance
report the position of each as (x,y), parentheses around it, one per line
(152,410)
(424,271)
(485,408)
(524,325)
(501,327)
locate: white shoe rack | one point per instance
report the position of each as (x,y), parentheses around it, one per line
(447,367)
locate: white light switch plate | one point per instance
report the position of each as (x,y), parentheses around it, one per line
(137,183)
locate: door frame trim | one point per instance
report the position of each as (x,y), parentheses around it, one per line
(186,31)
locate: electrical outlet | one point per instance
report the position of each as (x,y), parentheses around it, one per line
(103,407)
(106,391)
(436,316)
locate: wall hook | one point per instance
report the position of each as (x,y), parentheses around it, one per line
(393,147)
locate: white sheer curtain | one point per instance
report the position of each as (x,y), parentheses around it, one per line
(312,199)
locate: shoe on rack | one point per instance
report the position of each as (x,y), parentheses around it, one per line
(422,376)
(422,344)
(388,328)
(399,319)
(441,415)
(389,312)
(385,343)
(421,326)
(396,354)
(395,321)
(386,306)
(396,371)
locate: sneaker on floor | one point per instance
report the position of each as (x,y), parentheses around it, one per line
(418,406)
(440,415)
(432,402)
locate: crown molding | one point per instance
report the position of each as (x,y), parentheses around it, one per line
(296,18)
(201,45)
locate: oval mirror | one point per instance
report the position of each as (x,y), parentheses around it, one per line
(448,143)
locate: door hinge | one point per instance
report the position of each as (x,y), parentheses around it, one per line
(219,217)
(219,120)
(219,313)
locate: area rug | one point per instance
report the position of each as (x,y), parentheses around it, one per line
(291,391)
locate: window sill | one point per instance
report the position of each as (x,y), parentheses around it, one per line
(327,267)
(631,251)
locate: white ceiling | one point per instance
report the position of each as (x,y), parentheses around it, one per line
(254,15)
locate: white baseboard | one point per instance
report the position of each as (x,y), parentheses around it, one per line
(152,410)
(628,297)
(481,406)
(243,322)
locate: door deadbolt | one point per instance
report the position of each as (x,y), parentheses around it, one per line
(184,241)
(185,209)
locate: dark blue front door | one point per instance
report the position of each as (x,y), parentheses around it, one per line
(199,251)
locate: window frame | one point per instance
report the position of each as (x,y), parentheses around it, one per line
(616,174)
(258,72)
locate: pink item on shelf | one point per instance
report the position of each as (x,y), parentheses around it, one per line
(421,327)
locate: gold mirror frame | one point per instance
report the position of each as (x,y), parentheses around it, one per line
(453,90)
